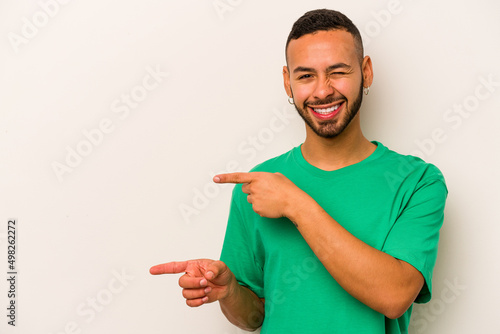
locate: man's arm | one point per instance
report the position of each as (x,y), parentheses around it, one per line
(206,281)
(377,279)
(243,308)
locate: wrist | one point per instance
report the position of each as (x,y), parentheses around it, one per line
(231,289)
(298,206)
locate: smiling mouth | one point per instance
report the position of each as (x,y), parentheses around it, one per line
(326,112)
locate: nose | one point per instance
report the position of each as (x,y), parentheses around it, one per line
(323,88)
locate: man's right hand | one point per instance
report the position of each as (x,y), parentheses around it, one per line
(204,281)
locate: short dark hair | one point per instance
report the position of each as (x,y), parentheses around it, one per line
(324,20)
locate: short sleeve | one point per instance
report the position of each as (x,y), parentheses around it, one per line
(240,248)
(415,234)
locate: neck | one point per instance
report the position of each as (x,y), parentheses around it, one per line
(348,148)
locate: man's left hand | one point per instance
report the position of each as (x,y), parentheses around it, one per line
(272,195)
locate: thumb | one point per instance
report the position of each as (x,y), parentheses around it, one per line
(215,269)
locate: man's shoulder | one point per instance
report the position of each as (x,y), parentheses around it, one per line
(404,164)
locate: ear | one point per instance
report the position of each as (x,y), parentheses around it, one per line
(367,69)
(286,81)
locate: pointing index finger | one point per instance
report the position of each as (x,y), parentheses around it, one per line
(233,178)
(169,268)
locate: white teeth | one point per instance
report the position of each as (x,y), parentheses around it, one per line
(326,110)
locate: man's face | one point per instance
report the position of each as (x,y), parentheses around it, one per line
(325,78)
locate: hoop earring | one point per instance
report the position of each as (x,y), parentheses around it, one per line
(290,100)
(366,90)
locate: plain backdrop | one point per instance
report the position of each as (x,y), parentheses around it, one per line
(114,116)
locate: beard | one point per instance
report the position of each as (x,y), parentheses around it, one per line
(335,126)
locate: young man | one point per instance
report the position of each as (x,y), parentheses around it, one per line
(338,235)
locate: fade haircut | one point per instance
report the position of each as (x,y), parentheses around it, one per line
(325,20)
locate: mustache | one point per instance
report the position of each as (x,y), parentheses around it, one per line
(327,100)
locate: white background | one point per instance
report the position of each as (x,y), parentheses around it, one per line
(141,194)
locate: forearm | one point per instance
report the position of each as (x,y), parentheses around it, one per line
(375,278)
(243,308)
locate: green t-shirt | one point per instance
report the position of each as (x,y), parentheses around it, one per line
(392,202)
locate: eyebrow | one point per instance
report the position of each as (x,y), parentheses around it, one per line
(330,68)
